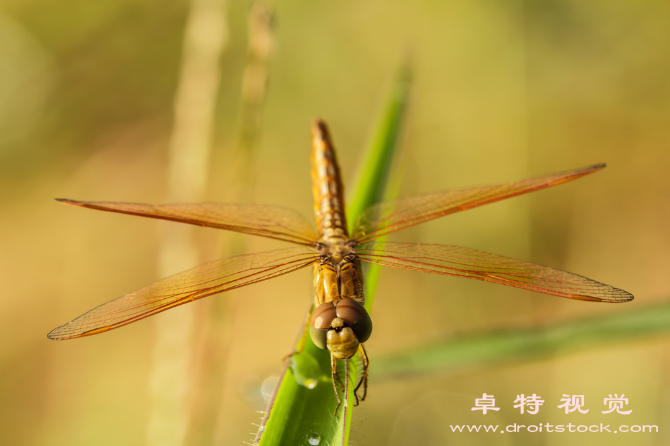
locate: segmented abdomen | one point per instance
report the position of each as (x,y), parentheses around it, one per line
(327,185)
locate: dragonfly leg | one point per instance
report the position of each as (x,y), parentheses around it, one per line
(335,376)
(302,335)
(364,380)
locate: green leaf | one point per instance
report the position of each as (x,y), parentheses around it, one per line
(378,179)
(301,410)
(500,347)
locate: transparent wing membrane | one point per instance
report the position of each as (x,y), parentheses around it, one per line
(472,264)
(387,217)
(205,280)
(266,221)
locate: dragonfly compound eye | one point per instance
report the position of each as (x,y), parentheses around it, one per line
(318,326)
(356,317)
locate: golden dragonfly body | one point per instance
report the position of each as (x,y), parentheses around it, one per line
(339,322)
(337,274)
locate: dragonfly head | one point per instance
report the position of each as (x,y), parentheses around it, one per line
(340,327)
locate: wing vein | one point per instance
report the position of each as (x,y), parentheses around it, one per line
(202,281)
(472,264)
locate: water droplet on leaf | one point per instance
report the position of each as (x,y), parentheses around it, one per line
(313,439)
(306,371)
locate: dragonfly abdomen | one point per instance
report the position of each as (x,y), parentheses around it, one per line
(327,186)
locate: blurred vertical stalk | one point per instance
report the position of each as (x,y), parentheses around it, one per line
(188,164)
(208,416)
(254,87)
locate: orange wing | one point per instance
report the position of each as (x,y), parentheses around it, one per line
(387,217)
(266,221)
(472,264)
(205,280)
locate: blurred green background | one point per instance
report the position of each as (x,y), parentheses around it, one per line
(502,91)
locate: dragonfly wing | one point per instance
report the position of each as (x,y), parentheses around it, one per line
(472,264)
(205,280)
(266,221)
(386,217)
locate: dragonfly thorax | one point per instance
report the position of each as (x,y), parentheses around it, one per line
(336,250)
(337,274)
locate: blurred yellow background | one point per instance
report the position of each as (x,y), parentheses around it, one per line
(502,91)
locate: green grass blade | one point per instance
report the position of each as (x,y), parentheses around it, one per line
(302,406)
(501,347)
(371,184)
(378,178)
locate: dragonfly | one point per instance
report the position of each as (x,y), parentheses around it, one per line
(339,321)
